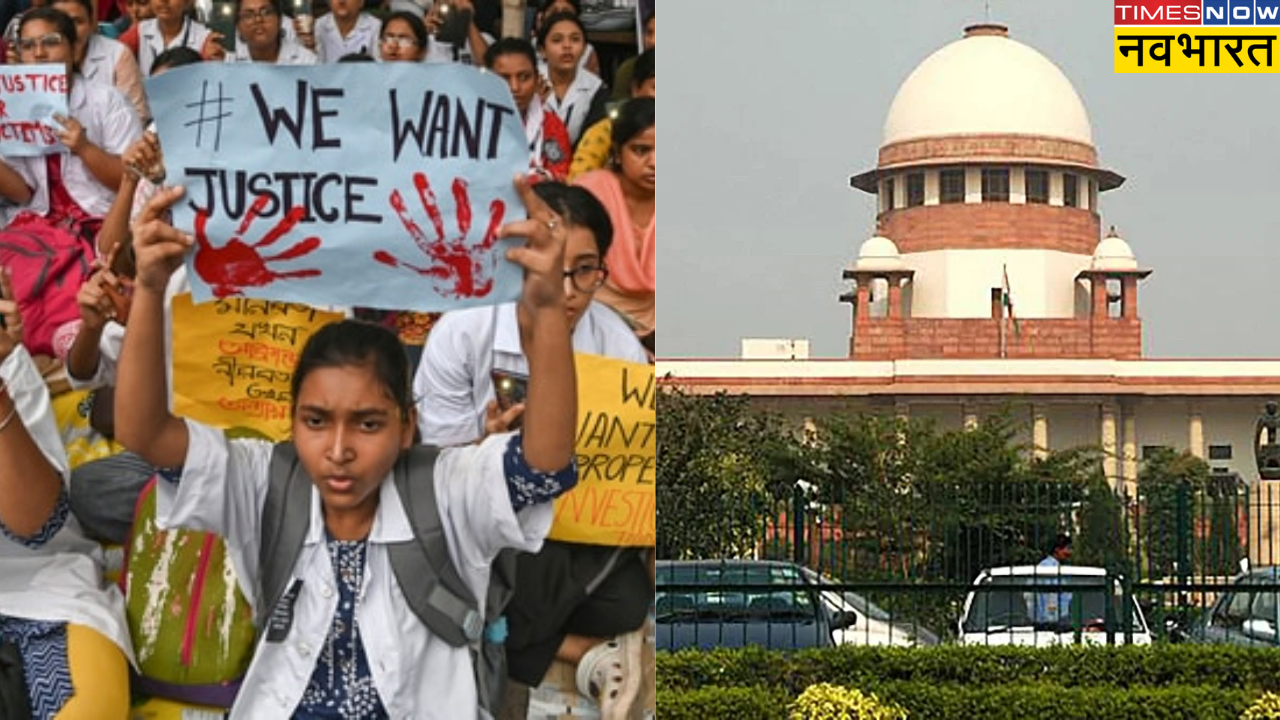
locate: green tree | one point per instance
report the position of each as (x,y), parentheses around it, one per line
(715,466)
(1168,484)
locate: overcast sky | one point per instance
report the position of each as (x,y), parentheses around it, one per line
(777,103)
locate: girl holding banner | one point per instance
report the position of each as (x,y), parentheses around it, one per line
(62,196)
(581,604)
(352,420)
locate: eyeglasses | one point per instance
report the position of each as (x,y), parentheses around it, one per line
(260,14)
(48,42)
(587,277)
(401,41)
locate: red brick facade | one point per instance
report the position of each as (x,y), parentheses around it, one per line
(973,148)
(881,338)
(991,225)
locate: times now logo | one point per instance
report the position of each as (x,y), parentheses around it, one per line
(1207,12)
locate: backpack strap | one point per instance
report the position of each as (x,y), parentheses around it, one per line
(286,516)
(436,593)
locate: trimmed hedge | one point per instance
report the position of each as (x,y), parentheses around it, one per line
(923,700)
(756,703)
(869,668)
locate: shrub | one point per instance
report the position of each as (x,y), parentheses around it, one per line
(825,701)
(1265,707)
(757,703)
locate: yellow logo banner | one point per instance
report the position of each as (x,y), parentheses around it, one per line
(1222,49)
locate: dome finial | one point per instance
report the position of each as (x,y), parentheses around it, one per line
(987,28)
(1112,232)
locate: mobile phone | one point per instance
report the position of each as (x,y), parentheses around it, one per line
(222,20)
(304,20)
(455,24)
(510,389)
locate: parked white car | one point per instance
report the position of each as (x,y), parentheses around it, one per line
(872,624)
(1050,605)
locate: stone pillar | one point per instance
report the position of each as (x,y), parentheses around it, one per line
(862,307)
(895,297)
(1107,436)
(1129,297)
(1098,294)
(1130,451)
(1264,523)
(1195,431)
(1039,432)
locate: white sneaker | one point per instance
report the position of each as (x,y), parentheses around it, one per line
(610,674)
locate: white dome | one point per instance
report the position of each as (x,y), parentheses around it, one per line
(1114,253)
(986,83)
(880,254)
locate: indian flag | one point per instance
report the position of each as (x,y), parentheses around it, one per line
(1007,299)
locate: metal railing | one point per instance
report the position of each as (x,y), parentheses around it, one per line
(910,555)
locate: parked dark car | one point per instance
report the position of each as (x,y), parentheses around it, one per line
(1247,614)
(732,603)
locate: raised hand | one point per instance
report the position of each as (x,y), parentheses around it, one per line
(71,133)
(542,255)
(158,246)
(103,296)
(456,268)
(10,315)
(143,158)
(237,265)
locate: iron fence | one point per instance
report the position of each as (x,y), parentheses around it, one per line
(908,557)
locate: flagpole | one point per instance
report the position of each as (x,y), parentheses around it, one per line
(1003,348)
(1004,309)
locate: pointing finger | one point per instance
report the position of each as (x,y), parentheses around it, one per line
(158,205)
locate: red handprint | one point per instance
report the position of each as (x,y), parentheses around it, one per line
(456,269)
(237,265)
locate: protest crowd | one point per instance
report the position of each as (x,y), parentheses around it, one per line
(216,501)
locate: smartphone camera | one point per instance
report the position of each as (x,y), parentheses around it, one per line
(455,25)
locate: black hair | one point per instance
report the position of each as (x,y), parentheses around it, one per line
(577,5)
(545,29)
(577,206)
(86,4)
(175,57)
(355,342)
(1061,541)
(416,26)
(356,57)
(276,5)
(634,117)
(510,46)
(644,68)
(66,26)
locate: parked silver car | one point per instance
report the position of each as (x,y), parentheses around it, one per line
(871,624)
(1248,614)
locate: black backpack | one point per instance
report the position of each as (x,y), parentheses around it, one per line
(15,703)
(427,577)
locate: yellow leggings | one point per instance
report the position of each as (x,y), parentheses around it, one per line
(99,677)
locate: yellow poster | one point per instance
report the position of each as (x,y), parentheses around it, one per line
(236,360)
(613,503)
